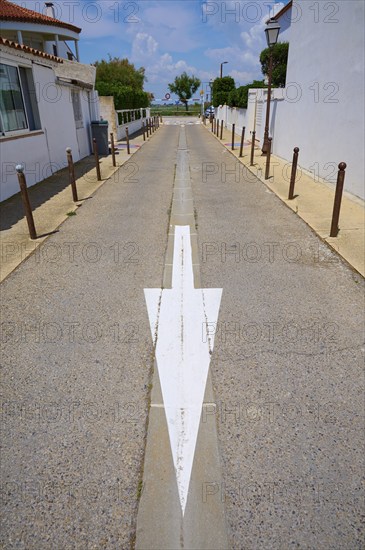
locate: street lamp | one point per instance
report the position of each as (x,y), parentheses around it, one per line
(272,33)
(222,67)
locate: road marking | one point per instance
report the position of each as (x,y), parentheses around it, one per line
(178,318)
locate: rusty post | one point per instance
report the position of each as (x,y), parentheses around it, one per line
(160,117)
(242,140)
(25,200)
(71,174)
(252,147)
(147,128)
(221,136)
(293,173)
(216,127)
(232,147)
(112,148)
(97,162)
(143,131)
(127,138)
(268,157)
(338,198)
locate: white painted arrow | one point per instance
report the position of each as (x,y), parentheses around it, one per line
(178,318)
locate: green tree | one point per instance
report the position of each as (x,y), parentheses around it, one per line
(120,70)
(279,63)
(221,90)
(119,78)
(184,86)
(239,96)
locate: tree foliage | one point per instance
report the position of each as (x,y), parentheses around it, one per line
(221,90)
(239,96)
(119,78)
(184,86)
(279,63)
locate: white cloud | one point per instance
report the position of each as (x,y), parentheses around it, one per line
(144,47)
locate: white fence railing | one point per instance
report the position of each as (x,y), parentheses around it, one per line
(131,118)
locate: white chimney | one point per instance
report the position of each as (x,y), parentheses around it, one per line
(50,10)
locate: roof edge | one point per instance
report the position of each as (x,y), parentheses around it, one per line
(28,49)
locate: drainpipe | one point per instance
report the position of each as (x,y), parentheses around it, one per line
(19,37)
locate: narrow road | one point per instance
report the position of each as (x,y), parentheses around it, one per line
(99,445)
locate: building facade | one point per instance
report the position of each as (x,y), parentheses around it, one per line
(321,109)
(47,101)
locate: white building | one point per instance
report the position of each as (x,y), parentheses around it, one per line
(46,101)
(321,109)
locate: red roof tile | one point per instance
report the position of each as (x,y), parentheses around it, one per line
(13,12)
(28,49)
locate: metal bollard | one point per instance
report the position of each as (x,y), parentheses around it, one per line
(112,148)
(71,174)
(127,138)
(97,163)
(268,156)
(252,147)
(160,117)
(25,200)
(217,128)
(143,132)
(293,173)
(242,140)
(147,132)
(221,136)
(211,121)
(233,126)
(338,198)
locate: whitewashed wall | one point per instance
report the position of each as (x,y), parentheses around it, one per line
(45,153)
(323,113)
(321,110)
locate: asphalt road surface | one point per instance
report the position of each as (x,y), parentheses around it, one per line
(94,453)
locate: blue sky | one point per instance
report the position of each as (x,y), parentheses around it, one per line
(168,37)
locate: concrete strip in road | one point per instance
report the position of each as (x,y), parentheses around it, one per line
(313,201)
(161,522)
(52,201)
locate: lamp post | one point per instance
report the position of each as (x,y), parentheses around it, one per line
(272,33)
(222,67)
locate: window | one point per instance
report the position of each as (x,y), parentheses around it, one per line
(76,103)
(18,101)
(11,100)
